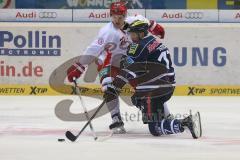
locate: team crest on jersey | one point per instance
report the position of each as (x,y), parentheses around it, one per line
(110,46)
(100,41)
(133,49)
(124,43)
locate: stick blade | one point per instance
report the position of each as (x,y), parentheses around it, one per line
(70,136)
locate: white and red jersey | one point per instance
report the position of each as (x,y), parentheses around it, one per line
(111,40)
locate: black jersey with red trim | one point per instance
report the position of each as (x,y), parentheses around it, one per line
(149,49)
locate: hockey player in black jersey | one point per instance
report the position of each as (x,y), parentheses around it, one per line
(148,68)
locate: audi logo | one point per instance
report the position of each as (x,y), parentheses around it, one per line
(47,15)
(194,15)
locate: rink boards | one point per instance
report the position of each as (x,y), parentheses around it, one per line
(205,56)
(94,90)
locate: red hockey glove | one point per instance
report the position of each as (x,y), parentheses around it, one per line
(75,71)
(156,29)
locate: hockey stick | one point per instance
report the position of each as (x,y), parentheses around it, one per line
(72,137)
(77,92)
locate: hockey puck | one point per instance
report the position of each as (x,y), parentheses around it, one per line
(61,140)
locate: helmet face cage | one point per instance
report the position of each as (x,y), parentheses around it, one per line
(118,8)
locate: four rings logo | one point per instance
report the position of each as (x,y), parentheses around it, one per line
(35,15)
(194,15)
(47,15)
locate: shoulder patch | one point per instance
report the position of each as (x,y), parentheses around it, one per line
(133,49)
(100,41)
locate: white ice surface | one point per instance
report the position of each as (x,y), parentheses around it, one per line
(29,130)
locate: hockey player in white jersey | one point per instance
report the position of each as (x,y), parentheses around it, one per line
(106,50)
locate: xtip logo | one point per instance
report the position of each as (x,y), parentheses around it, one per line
(196,91)
(35,90)
(33,43)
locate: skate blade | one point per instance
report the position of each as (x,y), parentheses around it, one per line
(197,126)
(119,130)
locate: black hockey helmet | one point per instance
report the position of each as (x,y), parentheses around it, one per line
(138,26)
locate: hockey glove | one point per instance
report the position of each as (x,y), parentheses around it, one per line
(75,71)
(156,29)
